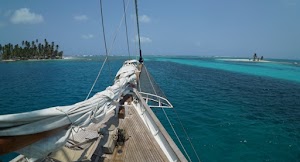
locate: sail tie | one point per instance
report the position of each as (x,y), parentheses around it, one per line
(72,123)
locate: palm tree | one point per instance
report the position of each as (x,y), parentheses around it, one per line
(10,54)
(4,54)
(48,51)
(39,50)
(36,54)
(29,50)
(60,54)
(43,49)
(52,50)
(16,51)
(46,48)
(254,57)
(27,44)
(1,52)
(56,52)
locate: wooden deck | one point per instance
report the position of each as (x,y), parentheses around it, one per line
(140,146)
(87,144)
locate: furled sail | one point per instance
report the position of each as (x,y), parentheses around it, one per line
(80,114)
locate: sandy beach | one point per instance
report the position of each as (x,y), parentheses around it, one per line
(243,60)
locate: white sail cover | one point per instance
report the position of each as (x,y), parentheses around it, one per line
(80,115)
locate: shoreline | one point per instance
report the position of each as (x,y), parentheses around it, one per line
(11,60)
(244,60)
(8,60)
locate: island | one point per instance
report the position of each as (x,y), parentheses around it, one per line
(255,59)
(33,50)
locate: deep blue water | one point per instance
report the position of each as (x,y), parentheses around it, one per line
(232,111)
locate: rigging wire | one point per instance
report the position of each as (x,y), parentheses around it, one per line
(141,60)
(182,126)
(138,30)
(107,51)
(124,8)
(168,117)
(117,30)
(186,134)
(96,79)
(136,50)
(104,38)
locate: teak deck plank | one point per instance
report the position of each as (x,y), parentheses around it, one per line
(141,145)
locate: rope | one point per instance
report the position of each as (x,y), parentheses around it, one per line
(183,128)
(124,8)
(187,135)
(72,123)
(107,51)
(96,79)
(104,37)
(118,29)
(168,118)
(150,80)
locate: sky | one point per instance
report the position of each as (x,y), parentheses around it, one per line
(236,28)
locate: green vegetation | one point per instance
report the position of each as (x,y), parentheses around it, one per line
(30,50)
(256,58)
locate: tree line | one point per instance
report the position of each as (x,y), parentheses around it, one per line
(256,58)
(30,50)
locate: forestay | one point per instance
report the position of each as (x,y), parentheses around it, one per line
(78,115)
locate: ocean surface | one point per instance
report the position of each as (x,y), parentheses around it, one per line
(232,110)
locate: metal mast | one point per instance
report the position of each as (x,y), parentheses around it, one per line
(138,30)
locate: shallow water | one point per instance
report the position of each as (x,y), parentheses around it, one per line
(232,111)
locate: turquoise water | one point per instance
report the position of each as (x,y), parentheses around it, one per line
(275,69)
(233,111)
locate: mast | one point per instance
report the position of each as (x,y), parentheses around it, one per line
(138,30)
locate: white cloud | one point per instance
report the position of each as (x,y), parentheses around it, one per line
(81,17)
(146,40)
(87,36)
(24,16)
(144,19)
(143,39)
